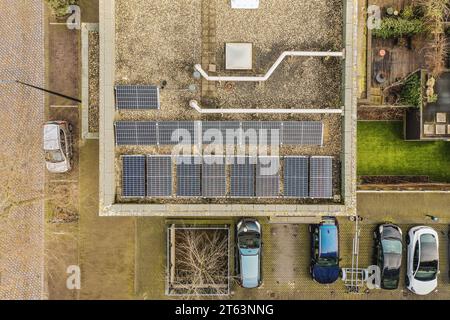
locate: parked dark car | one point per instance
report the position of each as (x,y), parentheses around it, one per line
(325,251)
(388,254)
(248,236)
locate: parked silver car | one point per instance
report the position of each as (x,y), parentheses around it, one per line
(249,253)
(58,146)
(423,260)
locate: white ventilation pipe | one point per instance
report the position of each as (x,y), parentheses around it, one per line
(285,54)
(194,105)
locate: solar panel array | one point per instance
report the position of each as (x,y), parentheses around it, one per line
(207,176)
(135,97)
(296,178)
(159,176)
(321,170)
(190,132)
(133,176)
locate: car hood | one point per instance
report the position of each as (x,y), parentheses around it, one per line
(423,287)
(250,271)
(57,167)
(325,275)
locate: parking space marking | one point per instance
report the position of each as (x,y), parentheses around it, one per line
(63,181)
(68,106)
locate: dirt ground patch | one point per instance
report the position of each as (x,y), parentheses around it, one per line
(106,244)
(150,258)
(382,114)
(64,72)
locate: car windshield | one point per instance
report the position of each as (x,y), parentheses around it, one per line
(249,240)
(391,246)
(54,156)
(390,282)
(325,261)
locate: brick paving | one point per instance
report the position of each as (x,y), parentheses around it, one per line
(22,232)
(291,244)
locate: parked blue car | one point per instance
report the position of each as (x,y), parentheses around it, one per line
(249,253)
(325,251)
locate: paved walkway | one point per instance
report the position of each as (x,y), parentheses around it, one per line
(22,232)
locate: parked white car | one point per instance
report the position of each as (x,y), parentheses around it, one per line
(58,146)
(423,260)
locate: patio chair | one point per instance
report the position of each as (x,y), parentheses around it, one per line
(441,117)
(429,129)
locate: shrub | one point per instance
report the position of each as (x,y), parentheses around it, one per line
(59,7)
(411,93)
(398,27)
(409,12)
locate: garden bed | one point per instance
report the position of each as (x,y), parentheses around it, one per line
(198,260)
(380,113)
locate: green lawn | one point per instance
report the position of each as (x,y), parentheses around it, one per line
(382,151)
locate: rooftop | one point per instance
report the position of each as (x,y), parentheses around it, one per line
(161,47)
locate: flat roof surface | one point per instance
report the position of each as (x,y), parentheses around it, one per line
(162,51)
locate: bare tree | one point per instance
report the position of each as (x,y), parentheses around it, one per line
(201,265)
(435,13)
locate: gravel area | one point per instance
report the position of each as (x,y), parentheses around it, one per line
(94,82)
(277,26)
(156,42)
(163,50)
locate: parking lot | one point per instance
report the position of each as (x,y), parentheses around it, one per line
(285,263)
(286,258)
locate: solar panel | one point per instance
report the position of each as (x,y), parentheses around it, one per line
(146,133)
(312,133)
(189,176)
(302,133)
(135,133)
(167,130)
(125,133)
(268,177)
(296,177)
(270,130)
(134,97)
(188,132)
(243,177)
(133,176)
(214,176)
(250,132)
(159,176)
(174,132)
(212,128)
(321,173)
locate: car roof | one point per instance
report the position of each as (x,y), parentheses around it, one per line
(328,240)
(51,136)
